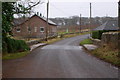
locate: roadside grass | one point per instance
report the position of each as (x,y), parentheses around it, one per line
(86,41)
(104,53)
(62,32)
(107,54)
(50,41)
(75,34)
(8,56)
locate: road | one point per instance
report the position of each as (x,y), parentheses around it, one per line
(63,59)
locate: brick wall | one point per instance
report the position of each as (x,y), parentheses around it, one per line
(32,23)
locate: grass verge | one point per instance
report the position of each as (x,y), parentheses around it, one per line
(50,41)
(107,54)
(104,53)
(75,34)
(86,41)
(8,56)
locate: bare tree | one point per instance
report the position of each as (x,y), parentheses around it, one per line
(26,7)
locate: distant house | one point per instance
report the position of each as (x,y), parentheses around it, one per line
(34,27)
(111,25)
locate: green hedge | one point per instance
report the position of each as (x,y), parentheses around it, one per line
(11,45)
(98,34)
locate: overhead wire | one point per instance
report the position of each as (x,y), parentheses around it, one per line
(60,10)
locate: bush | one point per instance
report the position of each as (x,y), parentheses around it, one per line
(12,45)
(95,34)
(98,34)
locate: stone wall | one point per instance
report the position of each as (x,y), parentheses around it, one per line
(96,41)
(32,42)
(111,38)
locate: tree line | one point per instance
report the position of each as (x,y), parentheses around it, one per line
(75,20)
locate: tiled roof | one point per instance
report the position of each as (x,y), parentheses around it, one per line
(19,21)
(49,21)
(109,25)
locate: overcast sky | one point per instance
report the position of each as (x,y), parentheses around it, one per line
(66,8)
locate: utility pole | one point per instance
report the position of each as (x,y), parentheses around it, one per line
(90,20)
(80,23)
(119,15)
(47,21)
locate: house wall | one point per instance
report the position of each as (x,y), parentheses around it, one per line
(53,30)
(34,23)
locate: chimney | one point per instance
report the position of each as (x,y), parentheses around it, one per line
(37,13)
(40,15)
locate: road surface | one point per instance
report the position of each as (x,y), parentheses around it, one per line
(63,59)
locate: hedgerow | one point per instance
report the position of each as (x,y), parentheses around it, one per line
(11,45)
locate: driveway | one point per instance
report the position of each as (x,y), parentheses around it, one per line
(63,59)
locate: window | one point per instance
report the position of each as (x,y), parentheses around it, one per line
(41,29)
(35,28)
(18,30)
(29,29)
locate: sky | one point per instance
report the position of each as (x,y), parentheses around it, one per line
(66,8)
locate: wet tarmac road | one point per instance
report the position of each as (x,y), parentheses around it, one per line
(63,59)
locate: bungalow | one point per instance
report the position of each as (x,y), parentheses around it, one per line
(33,27)
(111,25)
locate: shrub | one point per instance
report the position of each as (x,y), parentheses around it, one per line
(12,45)
(98,34)
(4,47)
(95,34)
